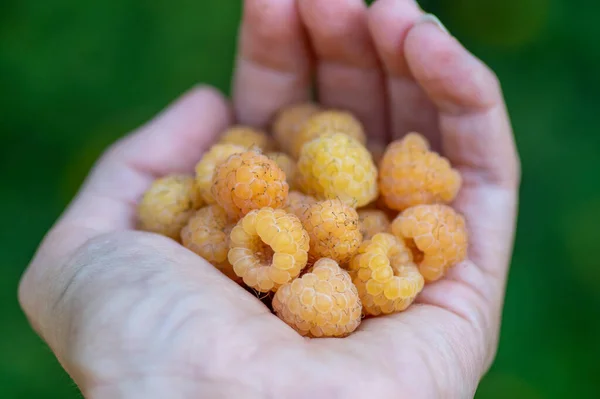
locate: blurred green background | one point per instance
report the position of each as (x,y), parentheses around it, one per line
(75,75)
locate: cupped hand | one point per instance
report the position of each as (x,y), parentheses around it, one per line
(132,314)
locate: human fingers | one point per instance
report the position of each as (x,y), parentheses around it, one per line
(477,138)
(273,61)
(348,72)
(409,107)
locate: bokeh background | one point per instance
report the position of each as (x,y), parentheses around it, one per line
(75,75)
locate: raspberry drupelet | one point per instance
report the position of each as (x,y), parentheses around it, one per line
(410,174)
(373,221)
(205,169)
(330,121)
(437,234)
(168,204)
(384,274)
(268,248)
(298,203)
(335,165)
(207,234)
(334,230)
(249,181)
(288,165)
(288,122)
(321,303)
(247,137)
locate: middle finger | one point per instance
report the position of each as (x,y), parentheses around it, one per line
(348,73)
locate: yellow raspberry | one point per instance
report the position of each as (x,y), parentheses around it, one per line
(328,122)
(321,303)
(168,204)
(288,165)
(335,165)
(438,236)
(298,203)
(205,169)
(249,181)
(373,221)
(288,122)
(247,137)
(207,234)
(384,274)
(414,141)
(268,248)
(410,174)
(333,229)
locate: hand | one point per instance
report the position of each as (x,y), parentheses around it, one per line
(132,314)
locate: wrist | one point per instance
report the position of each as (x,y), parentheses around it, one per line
(142,387)
(159,387)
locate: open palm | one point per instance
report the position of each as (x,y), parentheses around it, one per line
(132,314)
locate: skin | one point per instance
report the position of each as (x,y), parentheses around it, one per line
(131,314)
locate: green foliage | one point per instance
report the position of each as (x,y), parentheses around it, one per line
(76,75)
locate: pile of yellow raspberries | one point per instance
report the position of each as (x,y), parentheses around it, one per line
(327,228)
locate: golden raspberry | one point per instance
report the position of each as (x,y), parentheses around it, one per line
(268,248)
(248,138)
(414,141)
(328,122)
(321,303)
(333,229)
(373,221)
(288,165)
(288,122)
(207,234)
(205,169)
(410,174)
(437,235)
(335,165)
(168,204)
(384,274)
(298,204)
(249,181)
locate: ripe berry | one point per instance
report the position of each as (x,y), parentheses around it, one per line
(168,204)
(249,181)
(288,165)
(321,303)
(410,174)
(207,234)
(288,122)
(268,248)
(335,165)
(333,229)
(384,274)
(437,235)
(372,221)
(205,169)
(328,122)
(248,138)
(298,203)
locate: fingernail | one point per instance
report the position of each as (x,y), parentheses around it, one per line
(432,19)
